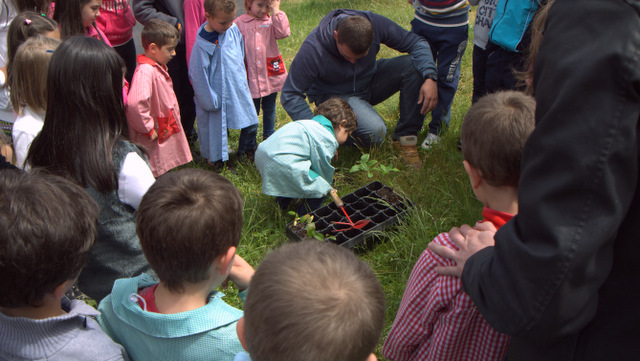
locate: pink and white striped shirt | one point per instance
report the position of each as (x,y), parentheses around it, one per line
(437,320)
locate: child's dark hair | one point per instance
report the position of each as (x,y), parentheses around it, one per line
(494,132)
(25,25)
(313,301)
(339,112)
(40,6)
(85,114)
(186,220)
(158,32)
(29,75)
(212,7)
(47,226)
(356,32)
(68,14)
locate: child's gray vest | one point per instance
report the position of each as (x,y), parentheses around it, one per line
(117,252)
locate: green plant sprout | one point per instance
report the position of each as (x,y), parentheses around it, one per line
(310,226)
(370,165)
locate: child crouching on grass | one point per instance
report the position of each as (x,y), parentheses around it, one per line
(295,162)
(47,226)
(312,301)
(189,224)
(437,320)
(153,113)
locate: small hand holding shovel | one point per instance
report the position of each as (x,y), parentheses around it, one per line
(359,224)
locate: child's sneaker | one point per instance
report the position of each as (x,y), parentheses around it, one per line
(431,140)
(407,146)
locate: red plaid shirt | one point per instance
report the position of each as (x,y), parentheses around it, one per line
(437,320)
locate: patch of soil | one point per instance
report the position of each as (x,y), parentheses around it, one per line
(299,231)
(389,196)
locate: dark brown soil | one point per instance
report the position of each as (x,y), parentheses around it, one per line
(388,195)
(299,231)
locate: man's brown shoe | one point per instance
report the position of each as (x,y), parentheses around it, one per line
(407,146)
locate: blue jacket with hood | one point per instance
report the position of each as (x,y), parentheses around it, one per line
(319,69)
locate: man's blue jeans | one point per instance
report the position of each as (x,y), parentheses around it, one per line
(447,46)
(392,75)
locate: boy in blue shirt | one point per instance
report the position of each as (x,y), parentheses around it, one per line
(295,161)
(189,224)
(219,78)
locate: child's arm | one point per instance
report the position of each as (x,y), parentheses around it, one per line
(144,11)
(200,67)
(280,21)
(139,103)
(241,273)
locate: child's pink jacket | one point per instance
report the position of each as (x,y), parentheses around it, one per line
(151,96)
(93,32)
(265,69)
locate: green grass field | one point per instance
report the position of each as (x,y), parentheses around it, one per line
(440,190)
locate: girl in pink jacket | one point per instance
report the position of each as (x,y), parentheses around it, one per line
(265,69)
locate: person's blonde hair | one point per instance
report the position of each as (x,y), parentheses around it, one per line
(29,74)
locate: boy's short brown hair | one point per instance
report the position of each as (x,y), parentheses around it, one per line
(494,132)
(356,32)
(185,220)
(336,110)
(313,301)
(212,7)
(158,32)
(47,226)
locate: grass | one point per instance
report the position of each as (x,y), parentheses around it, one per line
(440,190)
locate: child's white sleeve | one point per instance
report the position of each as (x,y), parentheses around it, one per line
(134,180)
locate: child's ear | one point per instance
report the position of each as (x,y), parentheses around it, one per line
(240,332)
(153,47)
(372,357)
(475,177)
(59,291)
(225,261)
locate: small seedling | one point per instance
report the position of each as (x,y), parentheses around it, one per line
(310,227)
(369,165)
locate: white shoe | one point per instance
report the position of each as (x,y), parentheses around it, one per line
(431,140)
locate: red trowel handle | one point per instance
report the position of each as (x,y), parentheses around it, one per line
(334,195)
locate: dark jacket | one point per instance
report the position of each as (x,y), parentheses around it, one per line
(170,11)
(318,68)
(564,275)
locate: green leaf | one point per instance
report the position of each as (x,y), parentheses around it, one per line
(355,168)
(364,158)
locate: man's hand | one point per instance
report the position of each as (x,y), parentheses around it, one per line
(469,241)
(241,273)
(428,96)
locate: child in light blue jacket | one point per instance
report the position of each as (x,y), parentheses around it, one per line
(295,162)
(219,79)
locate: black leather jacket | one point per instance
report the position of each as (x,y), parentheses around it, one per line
(564,276)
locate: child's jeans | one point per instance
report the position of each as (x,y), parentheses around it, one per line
(247,141)
(307,205)
(268,113)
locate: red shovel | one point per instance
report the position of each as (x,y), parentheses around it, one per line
(359,224)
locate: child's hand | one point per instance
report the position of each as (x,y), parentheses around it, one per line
(241,273)
(274,6)
(154,135)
